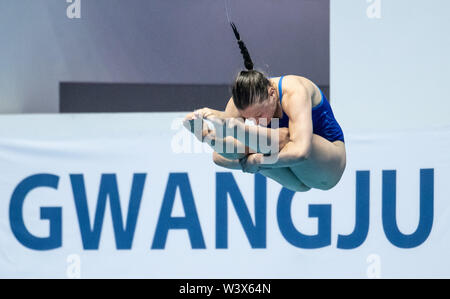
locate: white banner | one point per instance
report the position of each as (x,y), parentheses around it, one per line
(127,195)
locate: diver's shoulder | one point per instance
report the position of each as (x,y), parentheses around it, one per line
(293,82)
(295,79)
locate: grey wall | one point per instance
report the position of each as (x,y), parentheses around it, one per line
(155,41)
(82,97)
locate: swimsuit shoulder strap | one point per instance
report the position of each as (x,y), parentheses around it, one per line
(280,85)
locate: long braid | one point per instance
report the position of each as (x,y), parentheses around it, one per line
(247,59)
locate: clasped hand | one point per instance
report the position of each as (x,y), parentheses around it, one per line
(252,163)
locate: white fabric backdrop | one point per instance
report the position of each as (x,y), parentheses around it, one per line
(126,144)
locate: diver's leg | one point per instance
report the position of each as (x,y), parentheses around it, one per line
(231,148)
(325,165)
(286,178)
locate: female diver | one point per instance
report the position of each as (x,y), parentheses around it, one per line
(310,141)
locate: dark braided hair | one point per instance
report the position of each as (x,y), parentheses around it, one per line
(247,59)
(250,86)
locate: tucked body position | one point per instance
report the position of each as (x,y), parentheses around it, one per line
(309,141)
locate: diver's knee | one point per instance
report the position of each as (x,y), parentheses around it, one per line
(284,137)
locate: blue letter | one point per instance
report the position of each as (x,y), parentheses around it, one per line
(189,222)
(426,210)
(54,215)
(290,233)
(108,189)
(362,213)
(256,234)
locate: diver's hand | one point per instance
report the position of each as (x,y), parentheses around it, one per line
(199,128)
(217,119)
(207,113)
(251,164)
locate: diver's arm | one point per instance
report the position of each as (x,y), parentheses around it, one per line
(298,149)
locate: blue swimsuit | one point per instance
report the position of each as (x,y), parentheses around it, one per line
(324,123)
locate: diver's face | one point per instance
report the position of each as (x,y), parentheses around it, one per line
(264,111)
